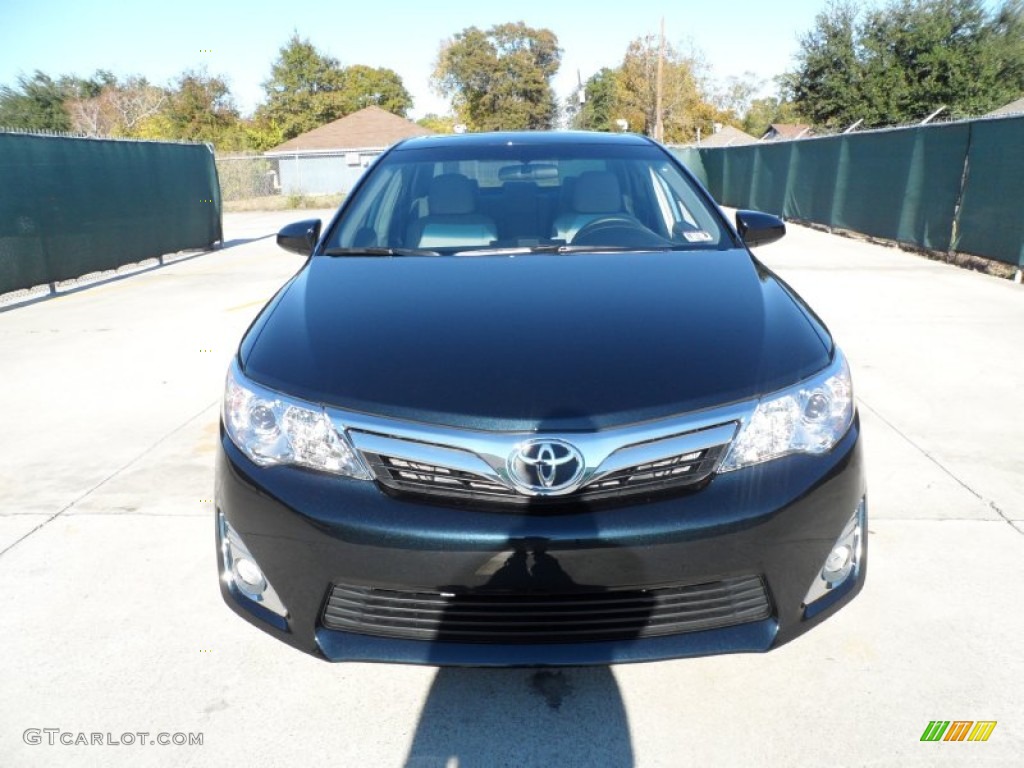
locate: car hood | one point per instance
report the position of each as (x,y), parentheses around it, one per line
(549,342)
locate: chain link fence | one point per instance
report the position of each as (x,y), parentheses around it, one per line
(248,176)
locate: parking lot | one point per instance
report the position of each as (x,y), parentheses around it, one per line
(113,623)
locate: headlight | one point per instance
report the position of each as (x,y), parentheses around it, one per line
(808,418)
(271,428)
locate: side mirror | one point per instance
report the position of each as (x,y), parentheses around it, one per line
(758,228)
(300,236)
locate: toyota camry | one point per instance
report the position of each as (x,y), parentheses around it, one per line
(530,399)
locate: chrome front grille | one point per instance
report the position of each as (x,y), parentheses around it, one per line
(678,471)
(431,479)
(494,617)
(487,467)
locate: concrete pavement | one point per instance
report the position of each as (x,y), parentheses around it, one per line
(112,622)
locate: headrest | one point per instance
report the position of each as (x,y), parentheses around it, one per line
(451,193)
(597,192)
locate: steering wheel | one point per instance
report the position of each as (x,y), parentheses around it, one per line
(618,231)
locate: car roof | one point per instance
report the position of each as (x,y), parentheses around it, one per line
(525,138)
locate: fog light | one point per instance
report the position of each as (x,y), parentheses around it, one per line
(240,570)
(248,573)
(843,560)
(837,566)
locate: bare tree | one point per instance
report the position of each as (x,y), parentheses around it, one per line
(118,110)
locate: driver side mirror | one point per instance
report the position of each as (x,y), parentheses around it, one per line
(300,236)
(758,228)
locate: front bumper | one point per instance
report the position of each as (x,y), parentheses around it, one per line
(308,532)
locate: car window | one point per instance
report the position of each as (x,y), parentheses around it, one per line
(677,202)
(465,197)
(370,216)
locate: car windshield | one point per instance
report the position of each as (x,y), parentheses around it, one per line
(468,197)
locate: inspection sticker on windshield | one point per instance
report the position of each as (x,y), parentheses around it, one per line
(700,236)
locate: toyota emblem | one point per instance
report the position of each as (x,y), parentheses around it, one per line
(545,467)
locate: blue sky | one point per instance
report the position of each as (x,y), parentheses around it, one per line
(159,40)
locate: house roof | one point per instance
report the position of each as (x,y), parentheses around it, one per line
(728,136)
(369,127)
(786,131)
(1013,108)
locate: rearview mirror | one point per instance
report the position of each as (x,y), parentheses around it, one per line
(300,236)
(528,172)
(758,228)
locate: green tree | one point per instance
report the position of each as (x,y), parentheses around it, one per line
(36,103)
(262,134)
(923,54)
(194,106)
(1003,56)
(41,103)
(596,113)
(303,89)
(501,78)
(307,89)
(363,86)
(899,62)
(685,108)
(736,95)
(763,112)
(438,123)
(826,84)
(198,107)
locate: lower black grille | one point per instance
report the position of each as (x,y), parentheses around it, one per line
(480,617)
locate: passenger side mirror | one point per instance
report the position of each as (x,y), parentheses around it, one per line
(300,236)
(758,228)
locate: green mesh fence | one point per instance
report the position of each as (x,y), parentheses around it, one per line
(991,222)
(769,178)
(811,188)
(901,185)
(692,159)
(738,173)
(70,207)
(906,185)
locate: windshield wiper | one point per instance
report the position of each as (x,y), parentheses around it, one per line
(527,249)
(376,250)
(612,248)
(513,250)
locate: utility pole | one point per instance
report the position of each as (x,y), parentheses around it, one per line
(659,125)
(582,100)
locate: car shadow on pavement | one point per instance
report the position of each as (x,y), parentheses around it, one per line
(522,717)
(543,716)
(236,241)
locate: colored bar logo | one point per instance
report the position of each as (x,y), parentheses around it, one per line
(958,730)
